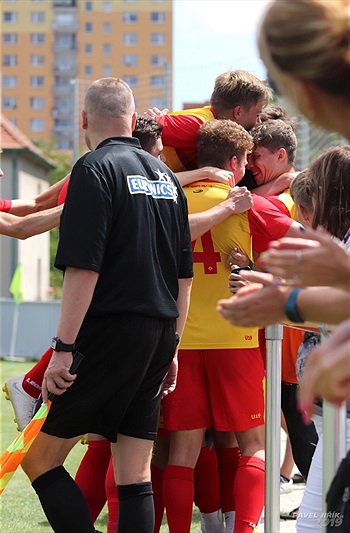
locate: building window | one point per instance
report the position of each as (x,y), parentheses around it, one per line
(37,103)
(37,81)
(9,17)
(9,102)
(157,17)
(107,70)
(37,38)
(88,49)
(157,81)
(9,60)
(157,60)
(37,124)
(130,38)
(88,7)
(63,144)
(37,17)
(131,81)
(107,49)
(88,71)
(88,27)
(129,60)
(107,7)
(37,60)
(9,82)
(107,28)
(129,17)
(62,81)
(158,39)
(9,38)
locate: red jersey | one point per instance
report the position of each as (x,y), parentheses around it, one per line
(179,136)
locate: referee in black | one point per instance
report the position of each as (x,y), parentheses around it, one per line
(125,250)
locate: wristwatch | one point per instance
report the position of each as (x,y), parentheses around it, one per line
(59,346)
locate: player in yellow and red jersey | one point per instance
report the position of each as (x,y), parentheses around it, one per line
(221,374)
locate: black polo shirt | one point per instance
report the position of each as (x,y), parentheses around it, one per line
(126,218)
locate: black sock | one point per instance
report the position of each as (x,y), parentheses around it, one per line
(136,508)
(63,502)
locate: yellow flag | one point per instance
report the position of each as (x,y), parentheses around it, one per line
(16,285)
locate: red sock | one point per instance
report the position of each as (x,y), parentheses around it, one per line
(178,497)
(157,484)
(228,461)
(91,475)
(112,499)
(206,481)
(249,492)
(33,379)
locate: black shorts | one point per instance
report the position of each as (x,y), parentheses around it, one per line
(118,384)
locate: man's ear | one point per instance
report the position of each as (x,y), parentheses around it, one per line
(282,155)
(232,164)
(236,112)
(133,120)
(307,216)
(84,119)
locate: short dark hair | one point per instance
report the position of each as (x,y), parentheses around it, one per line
(238,87)
(276,112)
(147,131)
(219,140)
(276,134)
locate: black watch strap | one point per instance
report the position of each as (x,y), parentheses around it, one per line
(58,346)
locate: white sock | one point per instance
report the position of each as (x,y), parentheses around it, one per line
(230,521)
(213,522)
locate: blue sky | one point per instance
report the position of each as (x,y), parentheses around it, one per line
(211,37)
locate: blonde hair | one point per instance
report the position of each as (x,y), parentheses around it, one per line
(309,40)
(238,87)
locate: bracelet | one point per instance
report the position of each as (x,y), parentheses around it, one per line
(291,308)
(251,264)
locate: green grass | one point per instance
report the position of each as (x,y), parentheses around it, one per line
(20,510)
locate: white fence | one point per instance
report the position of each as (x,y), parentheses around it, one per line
(26,329)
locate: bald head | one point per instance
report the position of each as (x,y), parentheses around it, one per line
(109,111)
(109,98)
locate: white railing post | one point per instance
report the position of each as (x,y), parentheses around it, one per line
(273,335)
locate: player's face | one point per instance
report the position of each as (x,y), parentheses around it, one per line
(157,150)
(263,164)
(250,117)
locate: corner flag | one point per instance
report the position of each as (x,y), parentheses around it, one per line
(16,285)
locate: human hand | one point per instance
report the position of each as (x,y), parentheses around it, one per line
(155,112)
(219,175)
(57,378)
(258,304)
(239,199)
(237,257)
(236,282)
(316,259)
(169,382)
(327,372)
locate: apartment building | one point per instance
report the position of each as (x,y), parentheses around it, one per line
(53,49)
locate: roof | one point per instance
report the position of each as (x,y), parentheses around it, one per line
(12,138)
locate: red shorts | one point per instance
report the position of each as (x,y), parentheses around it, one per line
(221,388)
